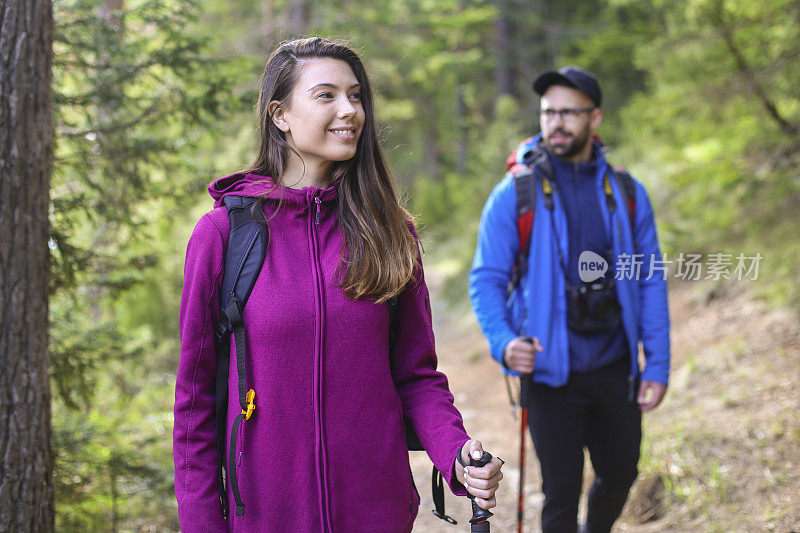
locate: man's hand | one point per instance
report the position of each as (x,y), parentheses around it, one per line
(520,355)
(650,395)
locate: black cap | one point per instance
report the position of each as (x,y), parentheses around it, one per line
(570,76)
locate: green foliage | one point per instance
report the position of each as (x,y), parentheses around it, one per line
(136,96)
(456,201)
(607,49)
(719,127)
(420,53)
(701,102)
(450,209)
(115,461)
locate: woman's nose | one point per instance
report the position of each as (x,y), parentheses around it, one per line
(346,107)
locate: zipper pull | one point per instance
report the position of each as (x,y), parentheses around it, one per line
(631,387)
(319,202)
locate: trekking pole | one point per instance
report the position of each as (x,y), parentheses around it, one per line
(479,523)
(523,397)
(524,382)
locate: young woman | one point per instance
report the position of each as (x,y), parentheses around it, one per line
(325,448)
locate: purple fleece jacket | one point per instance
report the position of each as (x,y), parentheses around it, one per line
(325,447)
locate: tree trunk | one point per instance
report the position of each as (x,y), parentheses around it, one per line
(112,473)
(431,151)
(538,45)
(298,17)
(503,51)
(268,27)
(26,43)
(461,126)
(461,108)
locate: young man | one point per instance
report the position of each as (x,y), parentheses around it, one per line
(588,291)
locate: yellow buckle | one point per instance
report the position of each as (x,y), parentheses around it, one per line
(251,395)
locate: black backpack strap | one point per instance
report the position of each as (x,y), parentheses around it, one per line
(437,490)
(244,258)
(533,160)
(221,411)
(627,187)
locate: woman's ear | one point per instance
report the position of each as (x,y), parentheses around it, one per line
(275,110)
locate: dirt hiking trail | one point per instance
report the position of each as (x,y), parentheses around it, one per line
(722,453)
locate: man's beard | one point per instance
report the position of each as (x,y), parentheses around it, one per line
(574,145)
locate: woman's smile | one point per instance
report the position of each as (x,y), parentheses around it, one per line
(346,133)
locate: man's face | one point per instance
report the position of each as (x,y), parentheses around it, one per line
(568,120)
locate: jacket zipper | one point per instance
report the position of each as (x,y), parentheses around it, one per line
(319,335)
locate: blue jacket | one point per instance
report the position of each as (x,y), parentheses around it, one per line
(538,306)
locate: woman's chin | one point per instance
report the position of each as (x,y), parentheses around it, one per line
(343,155)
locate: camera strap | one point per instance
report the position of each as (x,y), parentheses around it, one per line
(549,190)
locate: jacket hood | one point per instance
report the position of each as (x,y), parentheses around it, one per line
(256,186)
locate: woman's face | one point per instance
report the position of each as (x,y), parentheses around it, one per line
(324,118)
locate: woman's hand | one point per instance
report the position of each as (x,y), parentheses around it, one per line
(481,482)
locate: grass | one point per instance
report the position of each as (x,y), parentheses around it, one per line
(724,445)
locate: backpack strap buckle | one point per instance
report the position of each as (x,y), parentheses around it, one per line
(233,313)
(222,331)
(447,518)
(251,396)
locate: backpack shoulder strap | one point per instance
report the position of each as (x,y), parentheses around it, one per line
(244,257)
(247,246)
(525,188)
(627,187)
(524,178)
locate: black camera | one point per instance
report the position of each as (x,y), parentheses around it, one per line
(593,307)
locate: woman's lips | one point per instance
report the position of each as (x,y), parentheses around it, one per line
(345,134)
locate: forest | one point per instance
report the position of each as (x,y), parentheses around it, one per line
(153,99)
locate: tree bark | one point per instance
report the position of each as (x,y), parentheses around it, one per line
(268,28)
(26,43)
(461,128)
(430,148)
(298,17)
(503,51)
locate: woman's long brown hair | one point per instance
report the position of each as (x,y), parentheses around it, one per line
(381,252)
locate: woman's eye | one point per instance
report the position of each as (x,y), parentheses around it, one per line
(355,96)
(325,95)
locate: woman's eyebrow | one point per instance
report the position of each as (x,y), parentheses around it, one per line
(332,86)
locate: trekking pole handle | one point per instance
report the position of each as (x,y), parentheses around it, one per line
(479,523)
(524,380)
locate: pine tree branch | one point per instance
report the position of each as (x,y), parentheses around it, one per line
(746,71)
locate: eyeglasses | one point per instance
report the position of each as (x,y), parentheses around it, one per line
(567,114)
